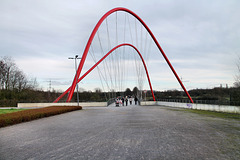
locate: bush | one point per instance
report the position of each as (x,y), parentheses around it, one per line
(31,114)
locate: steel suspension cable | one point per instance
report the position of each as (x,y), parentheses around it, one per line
(99,71)
(102,52)
(106,67)
(111,59)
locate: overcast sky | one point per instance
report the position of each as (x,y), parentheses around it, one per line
(201,38)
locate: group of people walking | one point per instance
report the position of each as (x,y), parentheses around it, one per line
(121,100)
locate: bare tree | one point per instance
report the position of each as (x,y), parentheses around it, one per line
(7,66)
(14,78)
(98,90)
(237,77)
(135,91)
(21,81)
(33,84)
(2,73)
(11,77)
(128,92)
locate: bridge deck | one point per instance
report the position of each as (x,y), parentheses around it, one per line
(132,132)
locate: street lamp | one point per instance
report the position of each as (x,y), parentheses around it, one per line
(76,57)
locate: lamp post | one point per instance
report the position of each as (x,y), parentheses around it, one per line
(76,57)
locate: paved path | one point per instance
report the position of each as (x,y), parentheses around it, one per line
(133,132)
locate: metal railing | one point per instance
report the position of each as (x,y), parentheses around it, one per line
(110,101)
(216,102)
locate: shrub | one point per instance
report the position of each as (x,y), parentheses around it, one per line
(31,114)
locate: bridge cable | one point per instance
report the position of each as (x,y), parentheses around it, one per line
(106,66)
(111,58)
(99,71)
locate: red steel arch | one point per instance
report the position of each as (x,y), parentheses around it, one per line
(94,66)
(92,36)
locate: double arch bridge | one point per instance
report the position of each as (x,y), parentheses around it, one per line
(77,77)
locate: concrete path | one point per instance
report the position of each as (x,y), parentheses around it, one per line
(132,132)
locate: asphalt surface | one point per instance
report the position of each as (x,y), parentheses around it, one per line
(132,132)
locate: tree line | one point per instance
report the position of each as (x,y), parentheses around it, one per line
(16,87)
(217,95)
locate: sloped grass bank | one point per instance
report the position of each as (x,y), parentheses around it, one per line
(4,111)
(215,114)
(32,114)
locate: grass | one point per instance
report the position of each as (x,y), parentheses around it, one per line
(4,111)
(215,114)
(32,114)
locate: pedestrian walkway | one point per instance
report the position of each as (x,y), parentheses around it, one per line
(129,132)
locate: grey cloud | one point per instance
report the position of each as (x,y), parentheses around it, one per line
(203,35)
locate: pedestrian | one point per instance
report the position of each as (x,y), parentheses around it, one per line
(136,99)
(123,101)
(130,100)
(126,99)
(117,102)
(120,101)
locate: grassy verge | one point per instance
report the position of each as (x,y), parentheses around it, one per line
(4,111)
(31,114)
(215,114)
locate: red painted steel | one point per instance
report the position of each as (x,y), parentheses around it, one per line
(94,66)
(92,36)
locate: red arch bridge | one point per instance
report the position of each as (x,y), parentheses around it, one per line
(138,36)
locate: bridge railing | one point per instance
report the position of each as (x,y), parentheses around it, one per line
(110,101)
(217,102)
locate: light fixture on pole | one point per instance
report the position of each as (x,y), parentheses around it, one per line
(76,57)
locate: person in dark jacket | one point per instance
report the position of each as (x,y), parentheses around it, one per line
(126,99)
(136,100)
(123,101)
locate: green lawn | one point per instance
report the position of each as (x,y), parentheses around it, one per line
(209,113)
(215,114)
(4,111)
